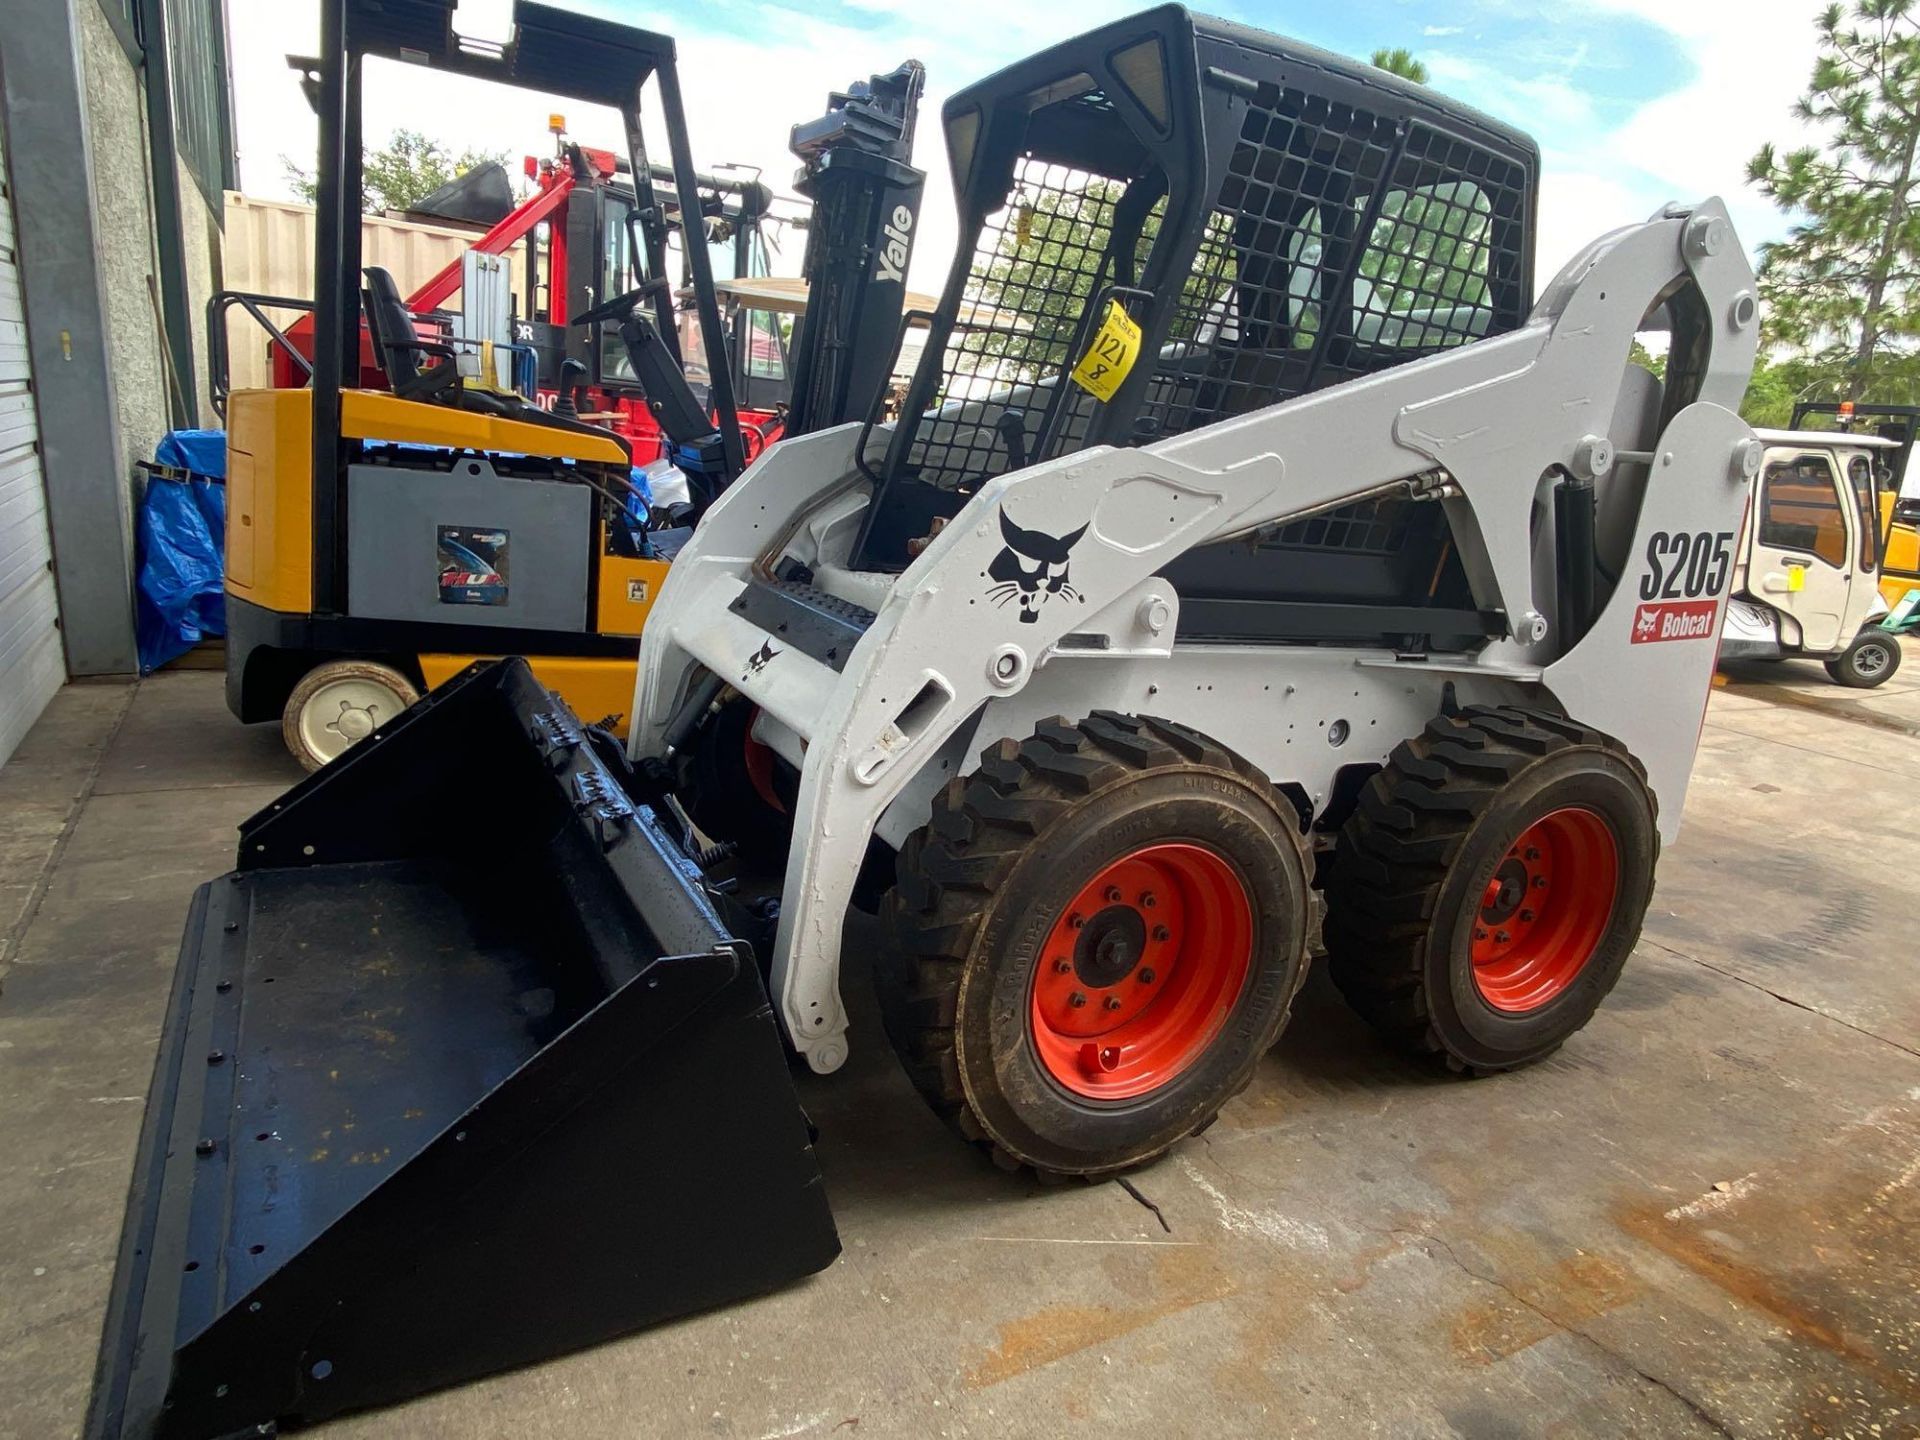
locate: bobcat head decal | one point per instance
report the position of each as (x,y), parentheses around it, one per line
(1031,569)
(757,661)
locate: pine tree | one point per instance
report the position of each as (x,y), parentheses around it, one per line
(1399,61)
(1842,291)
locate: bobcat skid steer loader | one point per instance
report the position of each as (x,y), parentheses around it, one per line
(1255,543)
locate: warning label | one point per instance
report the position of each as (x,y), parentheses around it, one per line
(1674,620)
(1111,355)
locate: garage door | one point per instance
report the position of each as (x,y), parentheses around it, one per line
(31,664)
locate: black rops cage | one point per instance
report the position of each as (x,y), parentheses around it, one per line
(1274,219)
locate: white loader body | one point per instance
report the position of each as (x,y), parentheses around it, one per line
(948,663)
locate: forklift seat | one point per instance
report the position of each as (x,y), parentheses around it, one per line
(398,344)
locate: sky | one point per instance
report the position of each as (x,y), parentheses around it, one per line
(1633,102)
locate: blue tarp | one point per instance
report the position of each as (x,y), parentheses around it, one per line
(179,544)
(204,452)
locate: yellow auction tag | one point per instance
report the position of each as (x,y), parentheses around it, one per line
(1111,356)
(1796,577)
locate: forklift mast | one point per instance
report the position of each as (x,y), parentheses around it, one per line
(866,194)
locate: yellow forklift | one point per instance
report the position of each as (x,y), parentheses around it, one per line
(381,540)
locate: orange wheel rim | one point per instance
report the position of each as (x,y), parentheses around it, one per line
(1545,910)
(1140,970)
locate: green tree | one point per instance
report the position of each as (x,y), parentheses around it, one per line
(1771,394)
(1769,399)
(1780,383)
(401,173)
(1842,291)
(1400,61)
(1035,284)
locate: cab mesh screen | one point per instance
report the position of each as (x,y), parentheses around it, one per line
(1039,260)
(1339,243)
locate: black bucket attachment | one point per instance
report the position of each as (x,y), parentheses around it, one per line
(461,1071)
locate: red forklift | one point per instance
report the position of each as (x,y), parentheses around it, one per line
(577,235)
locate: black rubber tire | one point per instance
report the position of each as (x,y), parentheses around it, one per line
(720,797)
(1415,858)
(1845,668)
(978,888)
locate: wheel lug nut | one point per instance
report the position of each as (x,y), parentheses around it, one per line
(1532,853)
(1501,936)
(1063,967)
(1076,920)
(1526,915)
(1539,882)
(1113,894)
(1162,933)
(1076,999)
(1148,900)
(1479,932)
(1113,1002)
(1146,976)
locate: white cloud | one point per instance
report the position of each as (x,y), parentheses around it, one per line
(1752,60)
(745,91)
(1551,101)
(1577,207)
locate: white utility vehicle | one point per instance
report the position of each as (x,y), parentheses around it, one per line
(1806,577)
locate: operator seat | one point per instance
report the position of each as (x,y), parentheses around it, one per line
(398,346)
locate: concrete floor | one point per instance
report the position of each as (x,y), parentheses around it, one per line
(1893,706)
(1699,1218)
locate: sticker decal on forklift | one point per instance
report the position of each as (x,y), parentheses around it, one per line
(473,565)
(1674,620)
(1116,345)
(1032,568)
